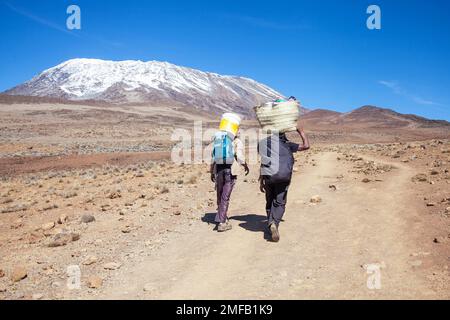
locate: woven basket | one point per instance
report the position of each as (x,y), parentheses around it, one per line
(280,117)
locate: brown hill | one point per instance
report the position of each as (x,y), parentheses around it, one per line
(369,117)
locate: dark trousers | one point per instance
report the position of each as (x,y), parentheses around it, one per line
(224,185)
(276,197)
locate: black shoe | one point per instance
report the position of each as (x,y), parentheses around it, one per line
(274,231)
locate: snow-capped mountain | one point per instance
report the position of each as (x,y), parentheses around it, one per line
(145,82)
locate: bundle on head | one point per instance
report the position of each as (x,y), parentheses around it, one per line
(278,116)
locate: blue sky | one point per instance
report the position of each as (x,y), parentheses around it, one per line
(319,51)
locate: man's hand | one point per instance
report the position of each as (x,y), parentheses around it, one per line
(247,170)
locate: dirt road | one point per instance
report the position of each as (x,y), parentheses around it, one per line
(322,253)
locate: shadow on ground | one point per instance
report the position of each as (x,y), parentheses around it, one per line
(250,222)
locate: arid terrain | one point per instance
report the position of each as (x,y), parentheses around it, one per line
(93,186)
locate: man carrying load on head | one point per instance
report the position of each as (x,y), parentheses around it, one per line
(228,150)
(277,163)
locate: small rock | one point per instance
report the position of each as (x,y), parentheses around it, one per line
(114,195)
(87,218)
(366,180)
(315,199)
(19,273)
(139,174)
(332,187)
(416,263)
(52,232)
(126,229)
(50,207)
(68,195)
(63,218)
(2,288)
(421,177)
(37,296)
(63,238)
(431,204)
(2,273)
(447,210)
(48,226)
(112,266)
(94,282)
(90,260)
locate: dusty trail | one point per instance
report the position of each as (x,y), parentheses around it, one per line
(321,254)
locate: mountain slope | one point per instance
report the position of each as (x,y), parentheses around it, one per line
(143,82)
(369,116)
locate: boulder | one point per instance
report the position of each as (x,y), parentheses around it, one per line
(63,238)
(48,226)
(112,266)
(90,260)
(87,218)
(19,273)
(94,282)
(421,177)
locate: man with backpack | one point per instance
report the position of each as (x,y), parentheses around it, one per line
(277,163)
(228,150)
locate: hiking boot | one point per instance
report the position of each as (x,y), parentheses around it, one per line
(274,231)
(222,227)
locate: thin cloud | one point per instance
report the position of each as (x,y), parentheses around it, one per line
(419,100)
(57,27)
(39,20)
(397,89)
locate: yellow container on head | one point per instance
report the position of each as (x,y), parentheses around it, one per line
(230,123)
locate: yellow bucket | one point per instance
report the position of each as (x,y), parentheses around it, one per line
(230,123)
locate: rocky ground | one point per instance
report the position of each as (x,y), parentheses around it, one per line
(135,225)
(91,218)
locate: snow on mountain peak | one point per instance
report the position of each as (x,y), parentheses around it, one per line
(138,81)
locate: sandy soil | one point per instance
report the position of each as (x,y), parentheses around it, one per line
(323,250)
(139,227)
